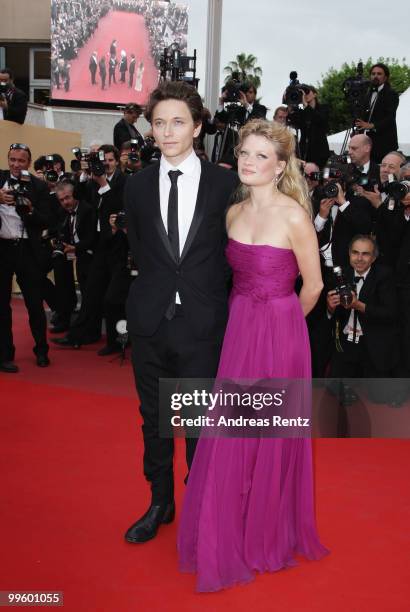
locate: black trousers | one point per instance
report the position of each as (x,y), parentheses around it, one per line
(17,257)
(172,352)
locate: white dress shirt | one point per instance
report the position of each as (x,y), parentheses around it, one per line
(12,227)
(188,184)
(320,222)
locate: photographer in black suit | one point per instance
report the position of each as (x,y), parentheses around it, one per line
(74,237)
(22,219)
(125,129)
(105,194)
(360,147)
(379,120)
(13,101)
(177,306)
(312,121)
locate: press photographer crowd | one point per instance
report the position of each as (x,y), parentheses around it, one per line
(71,222)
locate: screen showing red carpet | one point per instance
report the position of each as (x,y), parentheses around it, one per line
(109,51)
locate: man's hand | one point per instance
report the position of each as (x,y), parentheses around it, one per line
(7,197)
(69,248)
(332,301)
(29,205)
(340,199)
(364,125)
(325,207)
(112,221)
(39,174)
(242,99)
(100,180)
(374,197)
(3,103)
(123,161)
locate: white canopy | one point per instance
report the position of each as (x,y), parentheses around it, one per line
(403,127)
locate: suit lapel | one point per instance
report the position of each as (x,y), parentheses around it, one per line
(199,212)
(158,222)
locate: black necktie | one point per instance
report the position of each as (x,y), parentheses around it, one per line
(173,231)
(357,279)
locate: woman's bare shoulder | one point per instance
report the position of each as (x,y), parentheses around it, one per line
(234,210)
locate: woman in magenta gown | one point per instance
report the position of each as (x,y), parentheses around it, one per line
(249,506)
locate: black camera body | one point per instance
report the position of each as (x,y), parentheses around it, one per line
(121,220)
(134,154)
(397,190)
(356,89)
(149,152)
(20,190)
(294,92)
(57,245)
(91,161)
(343,289)
(50,174)
(4,89)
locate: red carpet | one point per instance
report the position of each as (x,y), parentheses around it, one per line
(71,484)
(131,34)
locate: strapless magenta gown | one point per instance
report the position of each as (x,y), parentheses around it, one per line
(248,505)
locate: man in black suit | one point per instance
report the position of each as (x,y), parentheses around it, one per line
(177,306)
(112,65)
(123,66)
(21,223)
(131,70)
(365,331)
(105,193)
(360,147)
(93,63)
(13,101)
(125,130)
(312,121)
(102,68)
(379,120)
(77,233)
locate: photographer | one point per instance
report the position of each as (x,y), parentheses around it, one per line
(360,147)
(365,326)
(104,190)
(125,130)
(13,101)
(130,157)
(23,216)
(338,218)
(379,119)
(312,121)
(73,239)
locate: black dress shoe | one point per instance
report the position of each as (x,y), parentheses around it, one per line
(9,367)
(42,361)
(109,350)
(66,342)
(147,526)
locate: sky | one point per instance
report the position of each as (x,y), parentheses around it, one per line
(306,36)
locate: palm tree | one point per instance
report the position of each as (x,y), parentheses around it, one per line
(245,67)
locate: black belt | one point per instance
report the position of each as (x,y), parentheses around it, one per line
(14,241)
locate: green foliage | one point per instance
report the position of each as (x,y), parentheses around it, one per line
(330,89)
(245,66)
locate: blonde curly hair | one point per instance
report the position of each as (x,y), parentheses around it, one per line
(291,181)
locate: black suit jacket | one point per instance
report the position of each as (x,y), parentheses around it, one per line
(39,219)
(379,321)
(85,228)
(313,125)
(124,131)
(200,274)
(16,106)
(355,219)
(384,136)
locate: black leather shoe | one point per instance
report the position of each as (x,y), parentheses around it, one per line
(147,526)
(9,367)
(42,361)
(109,350)
(59,328)
(66,342)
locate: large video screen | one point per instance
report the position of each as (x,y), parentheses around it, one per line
(109,50)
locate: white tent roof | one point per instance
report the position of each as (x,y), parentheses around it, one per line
(403,127)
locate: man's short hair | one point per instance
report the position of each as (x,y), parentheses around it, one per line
(131,107)
(405,170)
(369,239)
(383,67)
(108,148)
(398,154)
(176,90)
(7,71)
(280,108)
(39,163)
(57,159)
(65,184)
(19,146)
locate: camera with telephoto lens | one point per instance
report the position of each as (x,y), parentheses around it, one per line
(4,88)
(294,91)
(396,189)
(233,88)
(149,152)
(19,190)
(91,162)
(343,289)
(50,174)
(121,220)
(356,89)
